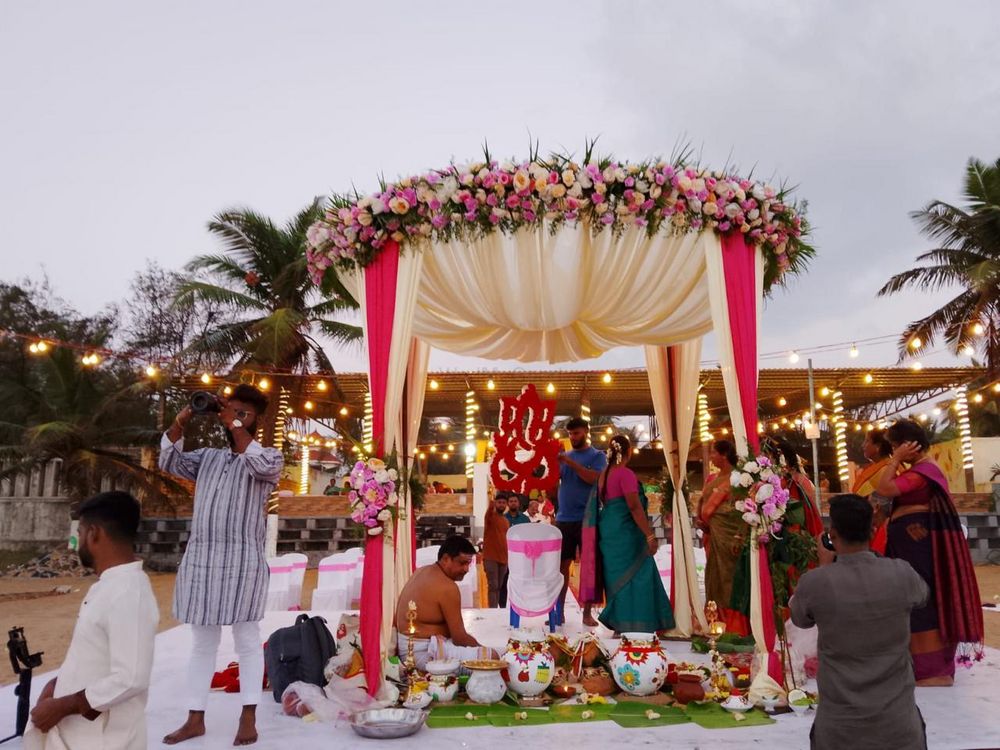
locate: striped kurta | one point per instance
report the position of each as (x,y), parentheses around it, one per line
(223,577)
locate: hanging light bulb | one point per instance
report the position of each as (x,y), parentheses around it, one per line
(916,342)
(607,378)
(151,371)
(978,329)
(996,387)
(343,411)
(227,391)
(434,385)
(451,448)
(916,366)
(550,388)
(793,357)
(782,401)
(968,350)
(490,385)
(433,449)
(853,353)
(321,385)
(609,431)
(308,405)
(263,384)
(824,391)
(868,378)
(206,378)
(444,456)
(978,398)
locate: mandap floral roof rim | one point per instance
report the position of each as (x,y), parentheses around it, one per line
(476,199)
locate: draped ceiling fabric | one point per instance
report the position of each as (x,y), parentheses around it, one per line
(558,297)
(673,382)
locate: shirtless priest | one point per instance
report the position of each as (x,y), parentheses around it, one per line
(439,629)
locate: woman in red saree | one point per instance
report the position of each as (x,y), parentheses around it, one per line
(800,490)
(925,531)
(878,452)
(725,533)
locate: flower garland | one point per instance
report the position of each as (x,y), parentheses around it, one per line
(373,496)
(474,200)
(759,495)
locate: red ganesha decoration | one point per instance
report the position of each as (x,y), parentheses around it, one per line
(526,455)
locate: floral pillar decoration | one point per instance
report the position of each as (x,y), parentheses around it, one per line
(527,455)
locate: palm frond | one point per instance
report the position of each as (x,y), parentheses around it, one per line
(191,289)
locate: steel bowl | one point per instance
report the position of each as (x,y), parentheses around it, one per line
(388,723)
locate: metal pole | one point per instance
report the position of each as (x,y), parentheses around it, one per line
(815,440)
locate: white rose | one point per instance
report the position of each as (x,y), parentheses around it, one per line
(751,518)
(758,192)
(374,531)
(734,478)
(698,185)
(751,466)
(382,476)
(393,475)
(384,515)
(376,464)
(695,205)
(746,480)
(378,206)
(766,474)
(364,219)
(764,493)
(393,499)
(731,210)
(575,191)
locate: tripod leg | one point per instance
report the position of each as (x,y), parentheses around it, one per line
(23,702)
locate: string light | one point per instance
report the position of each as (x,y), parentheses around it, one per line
(368,422)
(968,350)
(206,378)
(964,431)
(227,391)
(151,371)
(90,360)
(840,436)
(824,391)
(853,353)
(705,434)
(915,343)
(916,366)
(471,407)
(793,357)
(321,385)
(868,378)
(978,398)
(308,405)
(343,411)
(996,387)
(444,456)
(724,430)
(264,384)
(490,385)
(782,401)
(978,329)
(609,431)
(434,385)
(607,378)
(550,388)
(304,470)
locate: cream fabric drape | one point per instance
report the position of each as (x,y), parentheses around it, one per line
(676,419)
(563,297)
(416,380)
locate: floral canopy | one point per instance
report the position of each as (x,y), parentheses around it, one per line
(558,260)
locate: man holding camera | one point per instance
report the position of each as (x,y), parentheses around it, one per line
(223,577)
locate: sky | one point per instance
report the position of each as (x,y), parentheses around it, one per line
(126,126)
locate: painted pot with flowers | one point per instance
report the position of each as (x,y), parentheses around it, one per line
(530,664)
(639,666)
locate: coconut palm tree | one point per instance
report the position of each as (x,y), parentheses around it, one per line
(967,256)
(86,418)
(262,280)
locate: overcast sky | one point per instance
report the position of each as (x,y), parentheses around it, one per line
(126,125)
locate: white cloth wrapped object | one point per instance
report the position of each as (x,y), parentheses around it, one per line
(534,553)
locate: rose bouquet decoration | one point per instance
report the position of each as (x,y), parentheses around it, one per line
(471,201)
(759,495)
(374,498)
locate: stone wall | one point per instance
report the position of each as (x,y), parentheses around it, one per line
(33,522)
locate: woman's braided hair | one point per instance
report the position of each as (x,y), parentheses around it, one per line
(617,450)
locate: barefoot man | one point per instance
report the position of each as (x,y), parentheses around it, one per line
(440,631)
(578,472)
(223,577)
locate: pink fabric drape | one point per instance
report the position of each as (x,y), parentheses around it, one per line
(767,615)
(741,298)
(380,311)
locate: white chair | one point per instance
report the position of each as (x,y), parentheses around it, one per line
(333,583)
(298,561)
(279,586)
(427,555)
(534,580)
(357,557)
(664,564)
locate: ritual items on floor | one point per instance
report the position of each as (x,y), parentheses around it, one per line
(442,677)
(639,666)
(485,684)
(530,664)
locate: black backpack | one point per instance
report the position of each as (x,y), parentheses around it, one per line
(299,654)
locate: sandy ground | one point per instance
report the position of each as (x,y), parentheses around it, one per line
(48,620)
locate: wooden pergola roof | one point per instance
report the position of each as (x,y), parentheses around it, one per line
(889,391)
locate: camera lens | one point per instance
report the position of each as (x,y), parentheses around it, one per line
(203,402)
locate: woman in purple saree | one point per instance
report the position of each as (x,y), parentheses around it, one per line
(924,529)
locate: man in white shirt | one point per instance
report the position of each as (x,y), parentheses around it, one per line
(98,699)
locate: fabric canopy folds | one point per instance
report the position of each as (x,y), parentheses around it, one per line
(673,383)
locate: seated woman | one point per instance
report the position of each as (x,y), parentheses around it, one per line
(878,451)
(635,598)
(925,530)
(433,590)
(725,534)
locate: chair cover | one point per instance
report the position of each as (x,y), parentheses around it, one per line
(279,586)
(534,552)
(298,561)
(427,555)
(333,583)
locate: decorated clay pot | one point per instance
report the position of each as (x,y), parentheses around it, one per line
(485,684)
(688,688)
(530,665)
(639,666)
(597,681)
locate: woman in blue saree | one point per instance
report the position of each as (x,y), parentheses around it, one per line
(618,548)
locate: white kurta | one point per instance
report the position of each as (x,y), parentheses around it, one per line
(110,658)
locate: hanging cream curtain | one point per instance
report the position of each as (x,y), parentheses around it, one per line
(563,297)
(677,369)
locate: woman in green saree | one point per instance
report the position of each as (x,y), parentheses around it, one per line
(619,542)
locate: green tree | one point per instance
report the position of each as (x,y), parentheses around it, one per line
(967,256)
(277,313)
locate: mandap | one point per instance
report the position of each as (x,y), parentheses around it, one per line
(555,260)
